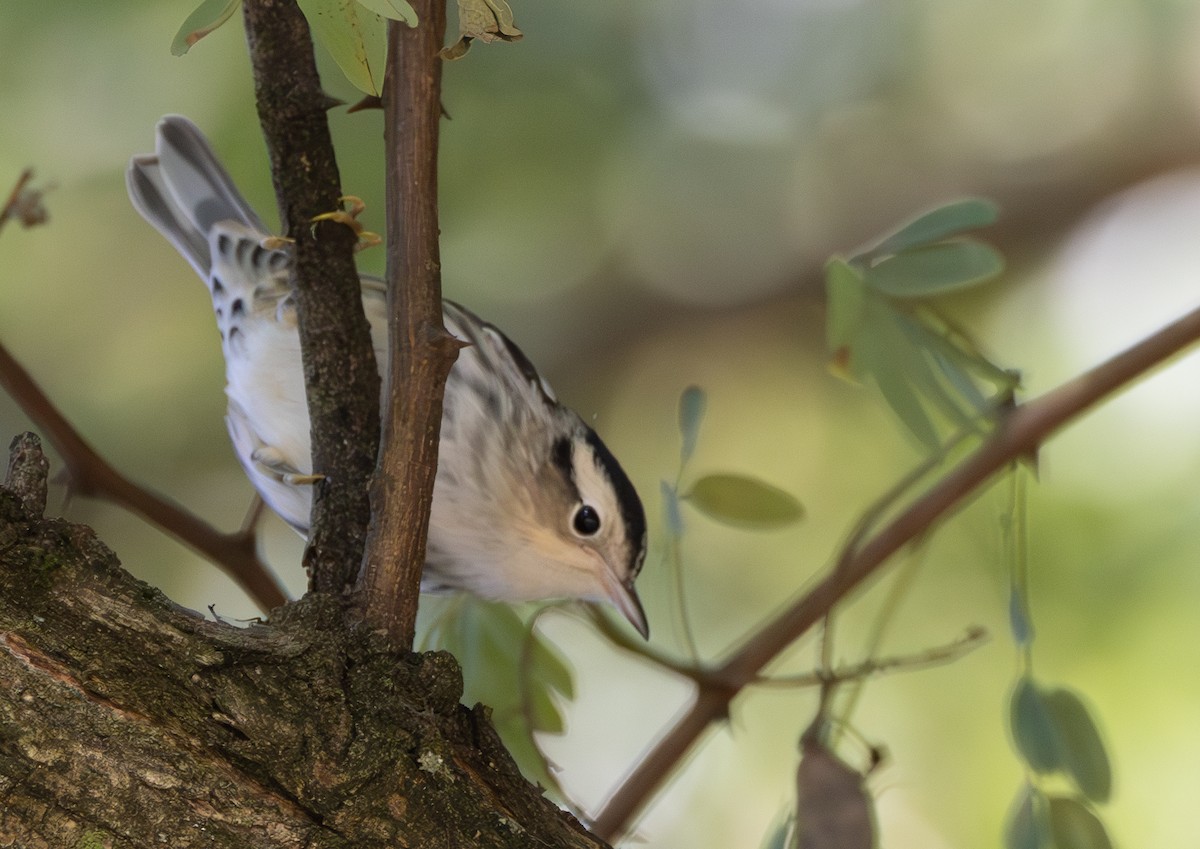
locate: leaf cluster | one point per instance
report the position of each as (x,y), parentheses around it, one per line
(881,327)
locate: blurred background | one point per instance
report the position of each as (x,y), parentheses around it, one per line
(642,195)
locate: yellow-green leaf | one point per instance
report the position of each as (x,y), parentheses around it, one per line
(204,19)
(846,294)
(1033,727)
(1083,754)
(744,501)
(1028,826)
(396,10)
(1075,826)
(355,37)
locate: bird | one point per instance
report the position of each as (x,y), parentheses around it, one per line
(528,502)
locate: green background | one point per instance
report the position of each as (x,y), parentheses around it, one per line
(642,195)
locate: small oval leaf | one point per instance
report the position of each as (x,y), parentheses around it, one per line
(935,269)
(1033,727)
(942,223)
(692,403)
(1075,826)
(846,295)
(744,501)
(1083,754)
(1027,826)
(204,19)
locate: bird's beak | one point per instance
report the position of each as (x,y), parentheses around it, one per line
(625,599)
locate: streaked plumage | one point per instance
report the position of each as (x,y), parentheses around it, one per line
(528,502)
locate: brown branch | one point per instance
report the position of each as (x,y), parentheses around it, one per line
(421,351)
(340,374)
(91,475)
(1019,436)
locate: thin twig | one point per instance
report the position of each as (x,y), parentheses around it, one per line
(91,475)
(936,656)
(1017,437)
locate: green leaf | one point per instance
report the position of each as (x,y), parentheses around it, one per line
(934,269)
(1028,826)
(1083,754)
(355,37)
(691,413)
(396,10)
(883,352)
(937,224)
(846,294)
(551,668)
(491,641)
(744,501)
(916,360)
(204,19)
(946,359)
(1033,727)
(1075,826)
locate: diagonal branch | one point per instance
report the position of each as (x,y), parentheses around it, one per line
(91,475)
(1018,437)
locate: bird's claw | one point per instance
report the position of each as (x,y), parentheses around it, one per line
(349,217)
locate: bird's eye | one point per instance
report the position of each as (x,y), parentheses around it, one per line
(587,520)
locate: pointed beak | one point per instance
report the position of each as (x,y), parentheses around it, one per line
(625,600)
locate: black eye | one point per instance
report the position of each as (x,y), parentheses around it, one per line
(587,520)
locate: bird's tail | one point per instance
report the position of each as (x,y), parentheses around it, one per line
(184,191)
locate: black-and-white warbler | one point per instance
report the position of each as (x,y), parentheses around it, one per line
(528,502)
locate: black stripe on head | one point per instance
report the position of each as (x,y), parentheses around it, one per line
(627,499)
(560,456)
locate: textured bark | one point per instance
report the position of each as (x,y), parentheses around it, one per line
(340,374)
(127,721)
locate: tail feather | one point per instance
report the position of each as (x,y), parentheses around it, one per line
(183,190)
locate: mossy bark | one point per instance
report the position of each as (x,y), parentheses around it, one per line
(128,721)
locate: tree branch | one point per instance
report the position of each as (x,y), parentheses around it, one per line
(126,721)
(1018,437)
(340,374)
(421,351)
(91,475)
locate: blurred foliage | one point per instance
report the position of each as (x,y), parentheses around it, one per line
(882,326)
(643,195)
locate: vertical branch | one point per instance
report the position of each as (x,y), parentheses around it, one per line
(421,352)
(340,374)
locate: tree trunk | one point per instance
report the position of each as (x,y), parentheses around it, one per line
(127,721)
